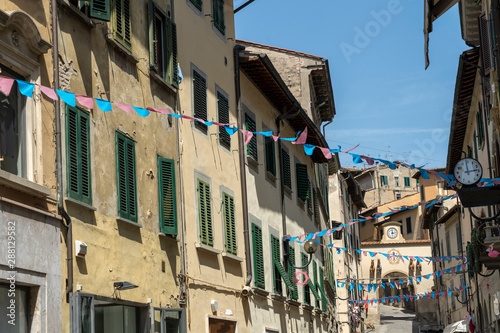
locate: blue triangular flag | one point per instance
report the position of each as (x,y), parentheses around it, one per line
(231,130)
(26,88)
(103,105)
(309,149)
(67,97)
(140,111)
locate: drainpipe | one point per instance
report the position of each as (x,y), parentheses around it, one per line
(59,178)
(243,175)
(281,117)
(182,275)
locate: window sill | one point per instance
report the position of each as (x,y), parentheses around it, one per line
(162,81)
(293,302)
(278,298)
(252,162)
(23,185)
(232,257)
(79,203)
(288,190)
(168,236)
(122,49)
(260,292)
(128,222)
(307,307)
(301,202)
(271,178)
(207,249)
(76,12)
(317,312)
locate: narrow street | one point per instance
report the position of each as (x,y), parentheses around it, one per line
(396,320)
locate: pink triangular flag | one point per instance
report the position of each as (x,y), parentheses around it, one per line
(248,135)
(326,152)
(49,92)
(276,137)
(187,117)
(86,101)
(126,108)
(164,111)
(302,138)
(6,85)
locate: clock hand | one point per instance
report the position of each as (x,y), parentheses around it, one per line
(466,166)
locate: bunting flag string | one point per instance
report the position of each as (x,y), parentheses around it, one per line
(399,283)
(27,89)
(375,216)
(411,297)
(403,257)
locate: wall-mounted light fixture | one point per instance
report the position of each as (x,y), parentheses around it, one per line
(124,285)
(310,247)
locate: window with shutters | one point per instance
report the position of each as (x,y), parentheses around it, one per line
(307,291)
(200,100)
(198,4)
(303,187)
(258,256)
(270,156)
(167,196)
(78,155)
(407,182)
(122,23)
(480,127)
(125,177)
(396,181)
(218,15)
(294,293)
(287,176)
(252,145)
(97,9)
(223,110)
(163,44)
(459,239)
(474,137)
(316,285)
(408,225)
(205,213)
(276,249)
(322,289)
(229,224)
(384,180)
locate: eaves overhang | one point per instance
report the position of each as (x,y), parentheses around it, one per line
(323,91)
(464,88)
(260,70)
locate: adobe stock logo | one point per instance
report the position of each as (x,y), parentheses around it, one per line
(363,37)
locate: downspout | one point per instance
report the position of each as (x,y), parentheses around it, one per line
(243,175)
(281,117)
(59,178)
(182,275)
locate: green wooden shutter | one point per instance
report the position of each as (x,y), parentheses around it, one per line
(252,145)
(78,155)
(173,51)
(218,15)
(258,257)
(270,157)
(275,248)
(200,99)
(125,175)
(122,23)
(279,267)
(315,291)
(303,191)
(167,196)
(153,36)
(312,286)
(100,9)
(291,273)
(229,224)
(324,300)
(205,213)
(197,3)
(307,288)
(474,137)
(287,177)
(223,106)
(480,128)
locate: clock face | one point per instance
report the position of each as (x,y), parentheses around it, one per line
(468,171)
(392,233)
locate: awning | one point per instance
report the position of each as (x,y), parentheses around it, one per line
(459,326)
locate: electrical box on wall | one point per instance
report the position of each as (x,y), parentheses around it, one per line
(80,249)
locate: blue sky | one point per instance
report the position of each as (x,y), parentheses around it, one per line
(385,100)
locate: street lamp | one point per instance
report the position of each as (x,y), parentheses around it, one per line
(310,247)
(456,294)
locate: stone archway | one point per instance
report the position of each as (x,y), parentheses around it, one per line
(405,289)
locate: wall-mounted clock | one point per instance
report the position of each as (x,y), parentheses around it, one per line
(468,171)
(392,233)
